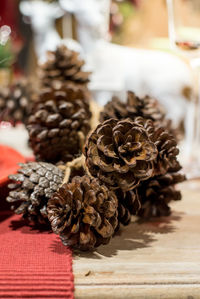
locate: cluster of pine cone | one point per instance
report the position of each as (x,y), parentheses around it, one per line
(85,183)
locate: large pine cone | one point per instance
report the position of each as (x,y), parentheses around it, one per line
(15,103)
(32,187)
(120,153)
(59,124)
(63,66)
(83,213)
(156,193)
(146,107)
(128,204)
(166,145)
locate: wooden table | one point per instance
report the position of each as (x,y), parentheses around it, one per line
(158,259)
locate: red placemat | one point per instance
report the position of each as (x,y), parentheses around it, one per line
(33,264)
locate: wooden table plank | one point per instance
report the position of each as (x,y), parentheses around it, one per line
(158,259)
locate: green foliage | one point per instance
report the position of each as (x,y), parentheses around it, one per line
(6,55)
(126,9)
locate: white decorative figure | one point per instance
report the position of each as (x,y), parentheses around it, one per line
(119,68)
(42,16)
(93,20)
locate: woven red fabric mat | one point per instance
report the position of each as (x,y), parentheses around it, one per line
(33,264)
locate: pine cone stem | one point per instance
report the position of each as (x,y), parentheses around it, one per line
(67,175)
(96,109)
(76,164)
(81,139)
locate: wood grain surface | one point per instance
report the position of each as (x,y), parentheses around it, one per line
(156,259)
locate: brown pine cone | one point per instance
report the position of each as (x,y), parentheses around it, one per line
(31,189)
(63,66)
(83,213)
(15,103)
(168,151)
(166,145)
(120,153)
(156,193)
(146,107)
(128,204)
(59,124)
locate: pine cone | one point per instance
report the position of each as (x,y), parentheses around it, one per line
(15,103)
(128,204)
(59,124)
(168,152)
(83,213)
(120,154)
(63,66)
(156,193)
(166,145)
(32,187)
(147,107)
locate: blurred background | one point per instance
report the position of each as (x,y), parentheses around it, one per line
(117,51)
(137,23)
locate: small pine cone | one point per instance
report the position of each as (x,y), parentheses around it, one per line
(147,107)
(166,145)
(31,189)
(152,109)
(116,109)
(15,103)
(120,153)
(63,66)
(83,213)
(156,193)
(128,204)
(168,151)
(59,124)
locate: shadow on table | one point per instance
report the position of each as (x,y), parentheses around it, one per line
(4,215)
(58,247)
(24,226)
(137,235)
